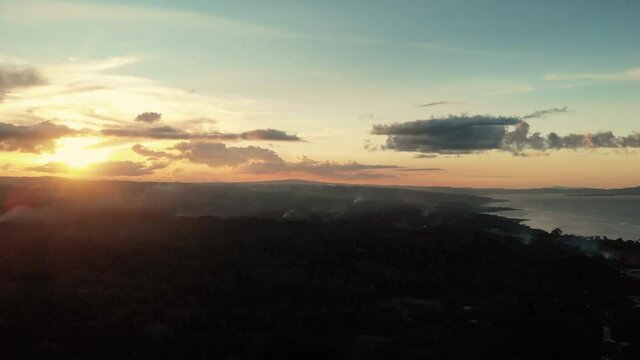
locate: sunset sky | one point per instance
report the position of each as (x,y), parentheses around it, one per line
(449,93)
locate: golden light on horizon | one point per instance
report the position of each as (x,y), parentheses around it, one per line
(77,152)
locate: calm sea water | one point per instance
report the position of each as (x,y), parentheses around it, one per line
(611,216)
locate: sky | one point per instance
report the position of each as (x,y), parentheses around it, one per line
(438,93)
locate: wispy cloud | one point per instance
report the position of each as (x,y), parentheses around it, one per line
(329,169)
(446,48)
(258,160)
(426,156)
(419,169)
(546,112)
(631,74)
(7,167)
(436,103)
(80,93)
(172,133)
(107,168)
(29,11)
(103,64)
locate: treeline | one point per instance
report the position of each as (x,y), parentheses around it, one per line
(114,284)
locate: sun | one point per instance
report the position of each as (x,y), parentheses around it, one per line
(78,152)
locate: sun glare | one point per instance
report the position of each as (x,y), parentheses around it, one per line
(78,152)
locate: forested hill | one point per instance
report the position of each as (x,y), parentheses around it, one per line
(271,200)
(126,284)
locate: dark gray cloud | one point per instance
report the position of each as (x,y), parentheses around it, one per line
(455,134)
(17,77)
(472,134)
(36,138)
(108,168)
(268,134)
(369,146)
(541,113)
(632,140)
(444,125)
(520,140)
(149,117)
(436,103)
(172,133)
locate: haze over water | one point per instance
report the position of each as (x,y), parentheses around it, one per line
(611,216)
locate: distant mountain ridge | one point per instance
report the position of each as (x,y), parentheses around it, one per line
(548,190)
(280,199)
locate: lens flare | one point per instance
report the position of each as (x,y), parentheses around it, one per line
(78,152)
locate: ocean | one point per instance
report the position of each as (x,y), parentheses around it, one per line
(610,216)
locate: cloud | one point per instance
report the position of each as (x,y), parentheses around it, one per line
(369,146)
(18,77)
(320,168)
(108,168)
(198,121)
(439,47)
(142,150)
(52,168)
(257,160)
(436,103)
(218,154)
(149,117)
(268,134)
(472,134)
(420,169)
(631,74)
(61,11)
(161,132)
(95,93)
(103,65)
(36,138)
(542,113)
(172,133)
(454,134)
(124,168)
(520,140)
(632,140)
(6,167)
(363,176)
